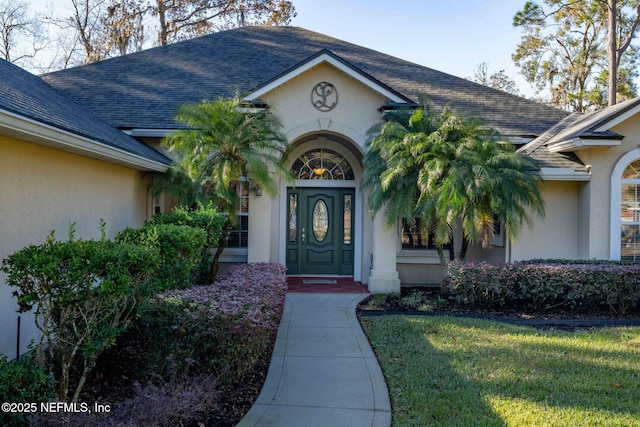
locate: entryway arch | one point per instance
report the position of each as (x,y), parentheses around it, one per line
(321,211)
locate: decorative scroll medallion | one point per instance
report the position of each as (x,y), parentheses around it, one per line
(324,96)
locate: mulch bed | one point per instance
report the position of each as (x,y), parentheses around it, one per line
(113,379)
(554,319)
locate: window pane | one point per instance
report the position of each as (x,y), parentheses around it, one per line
(630,243)
(320,220)
(347,219)
(412,235)
(632,171)
(293,217)
(630,203)
(322,164)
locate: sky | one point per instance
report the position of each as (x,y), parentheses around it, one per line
(453,36)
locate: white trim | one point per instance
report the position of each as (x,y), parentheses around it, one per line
(619,119)
(582,143)
(326,58)
(420,256)
(332,126)
(149,133)
(47,135)
(323,142)
(563,174)
(616,201)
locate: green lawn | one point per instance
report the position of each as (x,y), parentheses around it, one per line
(444,371)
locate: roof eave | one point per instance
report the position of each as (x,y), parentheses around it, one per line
(563,174)
(33,131)
(576,144)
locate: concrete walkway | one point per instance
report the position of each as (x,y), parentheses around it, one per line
(323,371)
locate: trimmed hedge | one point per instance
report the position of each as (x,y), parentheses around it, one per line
(221,329)
(180,248)
(545,285)
(206,218)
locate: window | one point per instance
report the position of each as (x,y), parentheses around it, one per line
(630,213)
(414,236)
(322,164)
(239,236)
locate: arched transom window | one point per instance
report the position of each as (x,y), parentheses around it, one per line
(630,213)
(322,164)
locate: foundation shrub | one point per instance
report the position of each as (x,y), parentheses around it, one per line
(578,286)
(23,381)
(480,284)
(205,218)
(220,329)
(180,248)
(85,294)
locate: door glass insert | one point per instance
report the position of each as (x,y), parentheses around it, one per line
(347,219)
(320,220)
(293,217)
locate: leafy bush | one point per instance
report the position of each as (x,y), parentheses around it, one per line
(180,248)
(206,218)
(85,294)
(22,381)
(220,329)
(576,286)
(177,402)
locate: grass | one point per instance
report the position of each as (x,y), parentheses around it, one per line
(444,371)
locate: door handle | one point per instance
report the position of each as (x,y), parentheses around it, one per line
(303,236)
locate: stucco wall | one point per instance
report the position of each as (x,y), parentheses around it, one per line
(43,189)
(556,235)
(355,112)
(596,195)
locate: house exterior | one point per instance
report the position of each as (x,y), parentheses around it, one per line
(328,93)
(60,164)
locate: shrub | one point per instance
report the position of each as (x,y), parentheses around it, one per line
(22,381)
(220,329)
(577,285)
(177,402)
(205,218)
(180,248)
(480,284)
(85,293)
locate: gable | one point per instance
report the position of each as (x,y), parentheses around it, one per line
(328,58)
(326,98)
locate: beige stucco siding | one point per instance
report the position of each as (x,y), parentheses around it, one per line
(42,189)
(355,112)
(556,235)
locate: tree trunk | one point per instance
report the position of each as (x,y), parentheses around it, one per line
(612,51)
(162,31)
(463,248)
(222,243)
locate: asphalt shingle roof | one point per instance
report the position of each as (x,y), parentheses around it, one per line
(539,150)
(575,126)
(145,89)
(28,96)
(584,126)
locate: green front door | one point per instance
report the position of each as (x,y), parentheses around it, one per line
(320,231)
